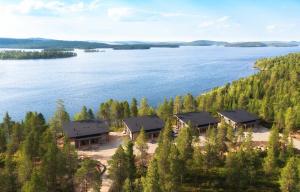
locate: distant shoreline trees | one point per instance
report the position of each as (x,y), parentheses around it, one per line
(45,54)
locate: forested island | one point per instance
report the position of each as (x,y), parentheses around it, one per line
(34,155)
(45,54)
(91,50)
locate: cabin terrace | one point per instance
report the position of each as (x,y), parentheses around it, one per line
(86,133)
(151,124)
(239,118)
(201,120)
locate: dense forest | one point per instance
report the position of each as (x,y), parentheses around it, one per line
(45,54)
(34,155)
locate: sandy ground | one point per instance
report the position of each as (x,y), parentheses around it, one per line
(104,152)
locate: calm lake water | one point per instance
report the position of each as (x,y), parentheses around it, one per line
(91,78)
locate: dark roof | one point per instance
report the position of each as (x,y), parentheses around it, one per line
(197,119)
(78,129)
(239,116)
(149,123)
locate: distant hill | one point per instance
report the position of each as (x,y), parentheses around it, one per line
(263,44)
(204,43)
(40,43)
(246,44)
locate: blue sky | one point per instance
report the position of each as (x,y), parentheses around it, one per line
(151,20)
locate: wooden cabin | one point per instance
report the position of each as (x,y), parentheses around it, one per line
(201,120)
(86,133)
(239,118)
(151,124)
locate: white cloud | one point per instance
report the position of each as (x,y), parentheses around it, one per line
(271,28)
(27,7)
(223,19)
(222,22)
(120,13)
(280,28)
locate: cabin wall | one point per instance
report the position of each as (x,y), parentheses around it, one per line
(88,141)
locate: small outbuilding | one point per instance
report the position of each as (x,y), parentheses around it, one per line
(239,118)
(201,120)
(151,124)
(88,132)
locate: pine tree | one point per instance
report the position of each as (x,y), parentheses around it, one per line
(289,180)
(49,167)
(10,177)
(211,155)
(142,147)
(15,139)
(118,169)
(131,165)
(3,142)
(104,111)
(134,108)
(7,125)
(233,168)
(189,103)
(83,115)
(151,181)
(144,108)
(271,160)
(176,167)
(60,116)
(177,105)
(127,187)
(126,109)
(91,115)
(164,110)
(290,119)
(88,177)
(36,183)
(162,155)
(184,145)
(221,138)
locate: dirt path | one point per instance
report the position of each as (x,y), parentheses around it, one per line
(104,153)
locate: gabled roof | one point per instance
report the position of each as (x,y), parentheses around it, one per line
(197,119)
(79,129)
(149,123)
(239,116)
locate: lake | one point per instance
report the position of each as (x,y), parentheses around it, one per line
(91,78)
